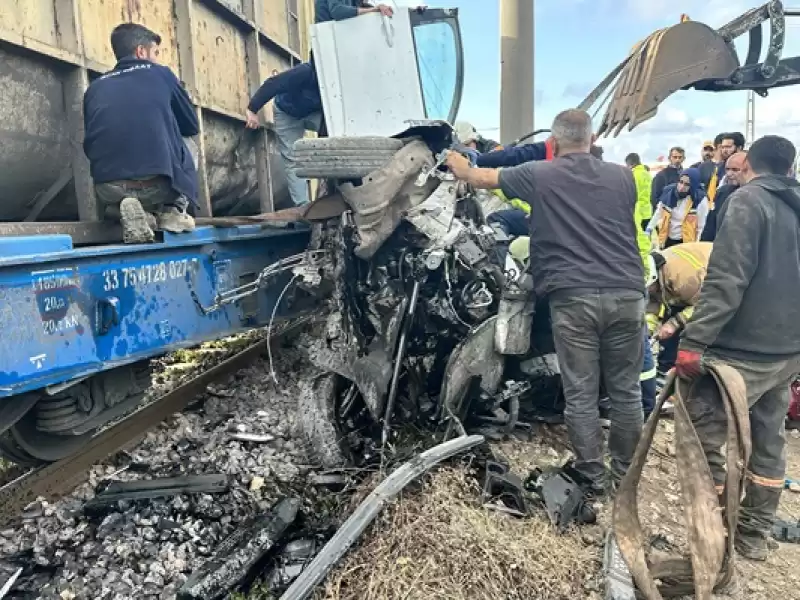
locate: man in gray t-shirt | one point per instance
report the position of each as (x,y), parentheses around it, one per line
(585,260)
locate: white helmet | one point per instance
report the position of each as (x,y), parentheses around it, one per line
(466,132)
(652,272)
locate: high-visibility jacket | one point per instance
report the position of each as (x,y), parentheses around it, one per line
(680,279)
(643,211)
(644,183)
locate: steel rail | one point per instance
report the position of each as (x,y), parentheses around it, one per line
(61,477)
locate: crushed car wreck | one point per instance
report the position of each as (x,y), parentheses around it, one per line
(423,311)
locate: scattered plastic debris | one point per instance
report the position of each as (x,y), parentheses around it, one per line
(234,558)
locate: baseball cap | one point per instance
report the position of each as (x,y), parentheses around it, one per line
(708,144)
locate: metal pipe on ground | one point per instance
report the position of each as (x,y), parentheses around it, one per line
(366,512)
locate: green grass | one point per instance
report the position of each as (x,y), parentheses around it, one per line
(259,591)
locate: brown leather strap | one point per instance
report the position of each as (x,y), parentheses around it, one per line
(711,564)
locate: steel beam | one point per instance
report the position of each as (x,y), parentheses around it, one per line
(75,84)
(187,60)
(255,76)
(83,234)
(516,68)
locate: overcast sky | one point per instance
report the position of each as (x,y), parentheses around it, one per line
(579,41)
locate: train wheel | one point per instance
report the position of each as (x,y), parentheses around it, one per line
(10,450)
(11,411)
(45,447)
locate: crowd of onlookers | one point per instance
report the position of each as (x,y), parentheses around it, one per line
(686,203)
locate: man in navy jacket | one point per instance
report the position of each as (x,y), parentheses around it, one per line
(297,108)
(136,118)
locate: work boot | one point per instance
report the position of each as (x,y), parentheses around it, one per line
(756,519)
(175,220)
(135,227)
(604,490)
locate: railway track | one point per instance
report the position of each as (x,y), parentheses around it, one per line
(61,477)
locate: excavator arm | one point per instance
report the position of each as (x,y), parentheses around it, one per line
(692,55)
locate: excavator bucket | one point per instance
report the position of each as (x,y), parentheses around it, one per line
(666,61)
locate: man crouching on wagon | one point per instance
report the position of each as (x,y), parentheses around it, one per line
(135,119)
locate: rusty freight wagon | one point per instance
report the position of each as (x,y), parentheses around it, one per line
(220,49)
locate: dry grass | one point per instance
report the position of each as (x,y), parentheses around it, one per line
(440,543)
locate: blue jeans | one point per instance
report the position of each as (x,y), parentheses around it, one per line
(288,130)
(647,379)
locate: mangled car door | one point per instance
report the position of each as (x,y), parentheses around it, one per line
(376,73)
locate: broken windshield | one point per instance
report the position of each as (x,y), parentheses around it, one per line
(439,60)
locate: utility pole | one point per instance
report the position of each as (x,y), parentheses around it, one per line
(750,122)
(516,69)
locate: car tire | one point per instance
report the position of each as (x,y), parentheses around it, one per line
(343,157)
(318,420)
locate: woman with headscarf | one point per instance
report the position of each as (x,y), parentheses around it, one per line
(682,211)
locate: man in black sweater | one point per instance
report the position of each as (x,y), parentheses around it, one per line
(668,175)
(733,173)
(747,317)
(135,119)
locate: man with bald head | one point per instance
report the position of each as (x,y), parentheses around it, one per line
(734,167)
(585,262)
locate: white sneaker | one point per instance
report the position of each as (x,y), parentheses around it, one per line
(175,220)
(668,408)
(135,226)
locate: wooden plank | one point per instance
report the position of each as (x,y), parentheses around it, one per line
(255,76)
(293,11)
(203,191)
(306,18)
(99,17)
(275,22)
(13,38)
(219,51)
(68,21)
(237,6)
(75,84)
(272,64)
(231,11)
(187,69)
(228,11)
(29,19)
